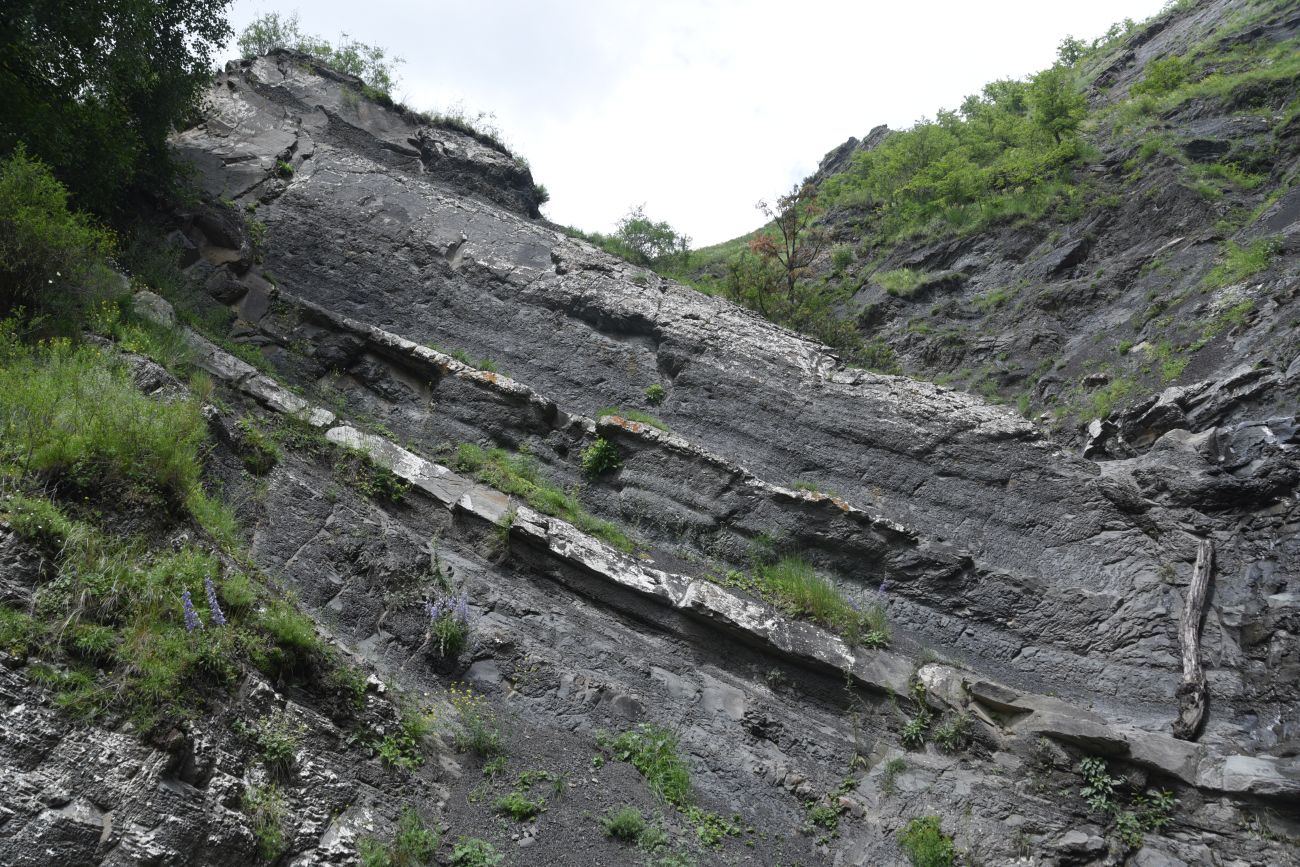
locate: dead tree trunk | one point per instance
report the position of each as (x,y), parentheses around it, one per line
(1192,693)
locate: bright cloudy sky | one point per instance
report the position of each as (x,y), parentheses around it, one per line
(696,108)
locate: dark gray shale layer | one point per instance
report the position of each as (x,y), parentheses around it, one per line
(1064,576)
(559,549)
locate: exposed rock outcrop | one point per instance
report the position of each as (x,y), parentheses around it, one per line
(1035,595)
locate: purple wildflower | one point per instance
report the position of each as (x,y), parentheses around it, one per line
(884,586)
(218,619)
(192,621)
(456,607)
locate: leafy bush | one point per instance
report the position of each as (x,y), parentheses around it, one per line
(413,845)
(625,823)
(655,394)
(260,452)
(601,457)
(52,259)
(953,733)
(404,748)
(1151,811)
(277,739)
(841,257)
(925,843)
(824,815)
(473,852)
(518,806)
(652,750)
(357,468)
(644,241)
(519,475)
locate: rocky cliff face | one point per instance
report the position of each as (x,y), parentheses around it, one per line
(364,258)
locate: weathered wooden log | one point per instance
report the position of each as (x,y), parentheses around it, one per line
(1192,693)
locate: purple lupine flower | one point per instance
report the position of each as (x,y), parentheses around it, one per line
(192,621)
(454,606)
(218,619)
(884,586)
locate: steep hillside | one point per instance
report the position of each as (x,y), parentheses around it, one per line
(1078,280)
(606,570)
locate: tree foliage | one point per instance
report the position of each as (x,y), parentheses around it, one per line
(649,241)
(1056,104)
(51,258)
(798,240)
(370,63)
(94,89)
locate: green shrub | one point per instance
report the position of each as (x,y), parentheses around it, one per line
(824,815)
(1151,811)
(1163,76)
(632,415)
(601,457)
(625,823)
(925,843)
(652,750)
(953,733)
(1007,153)
(404,748)
(357,468)
(473,852)
(412,846)
(95,89)
(655,394)
(260,452)
(52,259)
(20,633)
(518,806)
(841,257)
(370,63)
(268,812)
(277,739)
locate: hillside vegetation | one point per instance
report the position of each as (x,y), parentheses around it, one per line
(951,241)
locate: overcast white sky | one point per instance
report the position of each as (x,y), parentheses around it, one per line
(696,108)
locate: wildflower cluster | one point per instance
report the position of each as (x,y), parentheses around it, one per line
(478,729)
(449,624)
(192,621)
